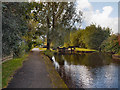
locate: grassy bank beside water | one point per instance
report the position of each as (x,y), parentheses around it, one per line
(57,81)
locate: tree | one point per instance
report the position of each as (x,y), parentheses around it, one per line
(54,17)
(94,36)
(111,44)
(77,38)
(90,37)
(13,27)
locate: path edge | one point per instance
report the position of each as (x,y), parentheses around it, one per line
(57,81)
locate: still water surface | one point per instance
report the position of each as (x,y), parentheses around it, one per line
(93,70)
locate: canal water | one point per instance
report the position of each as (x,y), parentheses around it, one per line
(92,70)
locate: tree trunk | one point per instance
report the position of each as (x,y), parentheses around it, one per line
(53,16)
(48,43)
(48,39)
(53,26)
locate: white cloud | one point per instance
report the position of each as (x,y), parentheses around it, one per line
(99,18)
(107,10)
(83,4)
(103,0)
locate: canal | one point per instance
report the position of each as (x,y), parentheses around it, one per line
(91,70)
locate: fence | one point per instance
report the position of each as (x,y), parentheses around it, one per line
(7,58)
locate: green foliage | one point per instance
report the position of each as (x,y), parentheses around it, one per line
(66,44)
(48,53)
(14,27)
(94,36)
(21,50)
(54,19)
(90,37)
(77,38)
(111,44)
(26,22)
(39,41)
(18,28)
(57,81)
(119,52)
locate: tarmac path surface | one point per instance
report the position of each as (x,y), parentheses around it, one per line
(33,74)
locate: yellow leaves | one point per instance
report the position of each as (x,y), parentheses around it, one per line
(26,38)
(32,14)
(32,23)
(66,44)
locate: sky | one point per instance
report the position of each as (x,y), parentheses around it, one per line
(103,13)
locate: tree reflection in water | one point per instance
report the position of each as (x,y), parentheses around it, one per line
(92,70)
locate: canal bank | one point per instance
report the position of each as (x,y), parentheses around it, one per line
(57,81)
(116,57)
(90,70)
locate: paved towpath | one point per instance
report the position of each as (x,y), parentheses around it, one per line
(33,74)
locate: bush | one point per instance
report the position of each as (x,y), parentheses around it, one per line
(21,49)
(91,37)
(48,53)
(119,52)
(111,44)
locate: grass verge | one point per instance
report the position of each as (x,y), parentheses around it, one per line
(43,49)
(9,68)
(116,56)
(49,53)
(118,53)
(83,49)
(57,81)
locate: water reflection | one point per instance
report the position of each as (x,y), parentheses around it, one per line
(95,70)
(57,66)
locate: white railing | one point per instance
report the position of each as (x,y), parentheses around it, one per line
(7,58)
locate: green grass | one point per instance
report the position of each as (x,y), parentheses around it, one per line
(61,46)
(48,53)
(51,52)
(119,53)
(9,68)
(43,49)
(56,80)
(76,49)
(83,49)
